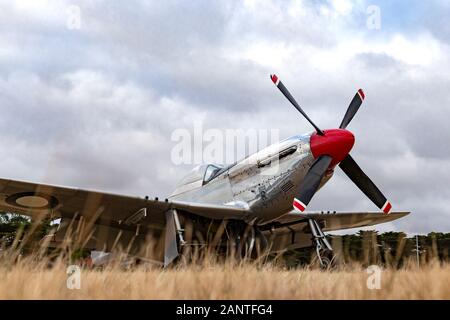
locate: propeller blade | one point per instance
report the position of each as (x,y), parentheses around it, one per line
(291,99)
(362,181)
(352,108)
(311,183)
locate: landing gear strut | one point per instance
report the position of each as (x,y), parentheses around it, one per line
(324,251)
(245,241)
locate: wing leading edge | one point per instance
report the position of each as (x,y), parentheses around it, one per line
(110,210)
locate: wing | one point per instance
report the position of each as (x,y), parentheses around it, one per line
(40,199)
(340,220)
(111,214)
(106,221)
(291,230)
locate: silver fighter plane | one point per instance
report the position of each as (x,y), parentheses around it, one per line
(259,202)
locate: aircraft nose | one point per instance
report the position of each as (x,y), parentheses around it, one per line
(336,143)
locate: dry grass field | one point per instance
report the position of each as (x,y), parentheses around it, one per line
(27,280)
(35,276)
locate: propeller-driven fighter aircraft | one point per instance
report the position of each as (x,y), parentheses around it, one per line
(260,200)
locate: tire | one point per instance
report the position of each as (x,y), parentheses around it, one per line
(328,260)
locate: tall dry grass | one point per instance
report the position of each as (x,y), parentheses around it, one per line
(40,276)
(35,280)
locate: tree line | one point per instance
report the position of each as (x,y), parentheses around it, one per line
(366,247)
(393,249)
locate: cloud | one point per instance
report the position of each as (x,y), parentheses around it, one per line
(95,107)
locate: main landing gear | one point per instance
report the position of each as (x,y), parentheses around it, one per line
(195,238)
(244,241)
(324,251)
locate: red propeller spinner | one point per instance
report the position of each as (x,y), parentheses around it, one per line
(335,143)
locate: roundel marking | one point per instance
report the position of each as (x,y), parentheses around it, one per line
(32,200)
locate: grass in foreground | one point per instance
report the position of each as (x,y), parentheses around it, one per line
(25,280)
(32,276)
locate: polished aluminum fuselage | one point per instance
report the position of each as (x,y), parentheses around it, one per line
(265,182)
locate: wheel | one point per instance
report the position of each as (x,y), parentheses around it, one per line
(328,260)
(326,263)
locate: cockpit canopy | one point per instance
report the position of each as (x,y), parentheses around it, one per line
(198,176)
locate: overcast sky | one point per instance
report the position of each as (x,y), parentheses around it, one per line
(92,102)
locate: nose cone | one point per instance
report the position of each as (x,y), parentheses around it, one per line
(336,143)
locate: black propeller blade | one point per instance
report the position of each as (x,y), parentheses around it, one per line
(352,108)
(291,99)
(311,182)
(362,181)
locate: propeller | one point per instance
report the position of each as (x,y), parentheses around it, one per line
(311,182)
(363,182)
(291,99)
(352,108)
(329,148)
